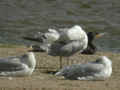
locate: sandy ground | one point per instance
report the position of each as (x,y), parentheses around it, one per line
(42,79)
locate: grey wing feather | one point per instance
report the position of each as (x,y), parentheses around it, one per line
(65,49)
(11,63)
(4,66)
(81,70)
(15,59)
(38,37)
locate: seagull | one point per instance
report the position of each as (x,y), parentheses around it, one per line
(100,69)
(68,43)
(23,65)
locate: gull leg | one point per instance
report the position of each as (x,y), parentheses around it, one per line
(68,62)
(60,62)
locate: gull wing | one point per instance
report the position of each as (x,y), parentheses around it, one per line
(11,64)
(80,70)
(37,37)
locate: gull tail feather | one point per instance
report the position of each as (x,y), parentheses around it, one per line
(37,37)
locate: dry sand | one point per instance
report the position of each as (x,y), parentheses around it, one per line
(42,80)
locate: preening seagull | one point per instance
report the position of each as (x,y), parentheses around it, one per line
(23,65)
(100,69)
(67,43)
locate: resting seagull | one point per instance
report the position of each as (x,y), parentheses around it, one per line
(100,69)
(23,65)
(68,43)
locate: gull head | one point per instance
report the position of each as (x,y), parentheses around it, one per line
(31,59)
(104,60)
(107,71)
(31,55)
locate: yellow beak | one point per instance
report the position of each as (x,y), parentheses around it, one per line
(99,35)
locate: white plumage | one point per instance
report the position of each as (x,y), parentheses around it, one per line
(100,69)
(66,35)
(51,36)
(18,65)
(74,33)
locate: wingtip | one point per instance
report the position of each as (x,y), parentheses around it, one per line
(58,74)
(33,39)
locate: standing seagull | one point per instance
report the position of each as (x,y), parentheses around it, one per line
(18,65)
(69,42)
(100,69)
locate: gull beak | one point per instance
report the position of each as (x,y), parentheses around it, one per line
(98,35)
